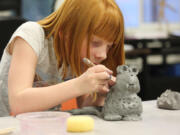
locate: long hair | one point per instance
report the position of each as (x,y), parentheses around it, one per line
(77,19)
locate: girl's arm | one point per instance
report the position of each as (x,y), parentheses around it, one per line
(24,98)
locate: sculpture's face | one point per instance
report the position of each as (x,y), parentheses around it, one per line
(127,79)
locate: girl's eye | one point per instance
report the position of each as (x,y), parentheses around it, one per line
(96,43)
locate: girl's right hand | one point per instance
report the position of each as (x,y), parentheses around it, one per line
(95,79)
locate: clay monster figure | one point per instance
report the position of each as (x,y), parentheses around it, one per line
(122,102)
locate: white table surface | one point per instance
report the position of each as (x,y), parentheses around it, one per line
(155,122)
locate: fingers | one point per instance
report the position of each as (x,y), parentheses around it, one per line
(100,72)
(102,76)
(103,88)
(100,68)
(96,79)
(112,81)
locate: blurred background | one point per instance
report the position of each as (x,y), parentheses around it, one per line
(152,37)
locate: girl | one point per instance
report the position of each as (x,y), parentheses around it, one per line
(53,48)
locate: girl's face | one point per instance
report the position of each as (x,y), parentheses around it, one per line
(98,49)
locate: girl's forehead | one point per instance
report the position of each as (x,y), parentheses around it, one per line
(98,38)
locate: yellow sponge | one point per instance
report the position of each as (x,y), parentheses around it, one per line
(80,123)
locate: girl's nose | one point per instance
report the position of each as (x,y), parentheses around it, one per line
(101,54)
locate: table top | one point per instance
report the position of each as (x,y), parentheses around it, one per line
(155,122)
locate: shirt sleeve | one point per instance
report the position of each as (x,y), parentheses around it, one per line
(33,34)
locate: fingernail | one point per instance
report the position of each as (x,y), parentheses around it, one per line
(111,71)
(110,77)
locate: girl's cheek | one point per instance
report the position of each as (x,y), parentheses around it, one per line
(92,51)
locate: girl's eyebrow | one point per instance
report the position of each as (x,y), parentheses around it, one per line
(96,39)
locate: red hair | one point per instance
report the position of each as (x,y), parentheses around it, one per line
(76,19)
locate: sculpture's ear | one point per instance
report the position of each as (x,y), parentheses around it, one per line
(122,68)
(134,70)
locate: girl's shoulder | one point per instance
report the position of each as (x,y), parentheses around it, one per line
(32,33)
(31,24)
(32,27)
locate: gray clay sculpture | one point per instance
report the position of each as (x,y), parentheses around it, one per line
(169,100)
(122,102)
